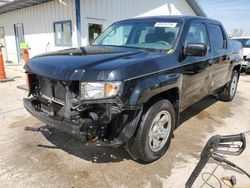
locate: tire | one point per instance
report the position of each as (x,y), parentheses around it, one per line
(228,91)
(152,139)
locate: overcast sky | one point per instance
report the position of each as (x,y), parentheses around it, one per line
(232,13)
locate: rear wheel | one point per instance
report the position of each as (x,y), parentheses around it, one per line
(154,133)
(228,91)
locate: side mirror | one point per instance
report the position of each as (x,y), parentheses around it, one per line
(195,49)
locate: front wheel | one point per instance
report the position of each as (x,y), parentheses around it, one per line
(154,134)
(228,91)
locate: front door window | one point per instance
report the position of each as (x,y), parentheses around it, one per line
(197,34)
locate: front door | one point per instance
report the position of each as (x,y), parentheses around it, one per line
(95,28)
(196,70)
(2,43)
(19,34)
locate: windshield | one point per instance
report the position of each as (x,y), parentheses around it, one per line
(141,34)
(245,42)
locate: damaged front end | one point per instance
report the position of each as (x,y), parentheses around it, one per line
(59,105)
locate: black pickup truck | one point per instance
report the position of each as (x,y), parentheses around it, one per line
(129,86)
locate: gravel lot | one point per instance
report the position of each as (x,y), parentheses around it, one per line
(33,159)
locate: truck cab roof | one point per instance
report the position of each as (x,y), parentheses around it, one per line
(179,17)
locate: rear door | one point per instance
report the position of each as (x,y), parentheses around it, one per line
(196,78)
(220,61)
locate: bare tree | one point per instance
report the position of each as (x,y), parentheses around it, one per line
(237,32)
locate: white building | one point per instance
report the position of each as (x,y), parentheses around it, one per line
(49,25)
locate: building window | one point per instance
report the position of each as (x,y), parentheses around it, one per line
(63,33)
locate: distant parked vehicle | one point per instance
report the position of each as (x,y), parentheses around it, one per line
(245,41)
(246,65)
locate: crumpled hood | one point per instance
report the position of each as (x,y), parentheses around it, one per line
(94,63)
(71,64)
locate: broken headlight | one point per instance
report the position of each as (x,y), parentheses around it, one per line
(99,90)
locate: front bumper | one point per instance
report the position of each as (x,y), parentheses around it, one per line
(127,122)
(64,126)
